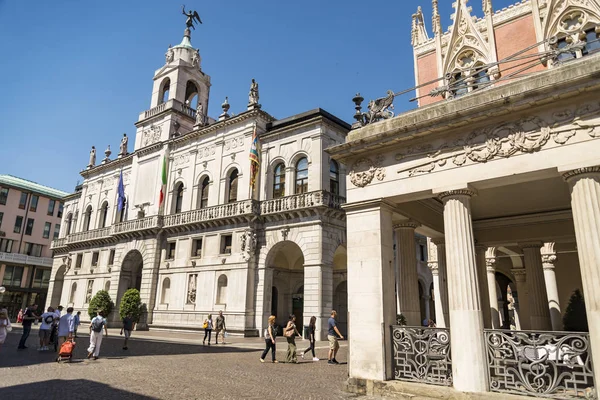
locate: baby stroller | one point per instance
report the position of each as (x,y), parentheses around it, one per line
(66,351)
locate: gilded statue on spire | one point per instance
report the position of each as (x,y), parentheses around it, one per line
(192,17)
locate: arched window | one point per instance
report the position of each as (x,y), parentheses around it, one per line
(222,290)
(69,224)
(191,95)
(232,186)
(107,286)
(203,193)
(178,198)
(480,77)
(164,92)
(166,289)
(103,214)
(279,181)
(73,293)
(592,42)
(87,218)
(334,177)
(302,176)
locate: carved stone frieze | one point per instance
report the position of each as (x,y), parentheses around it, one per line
(365,170)
(206,151)
(527,135)
(151,135)
(234,143)
(182,159)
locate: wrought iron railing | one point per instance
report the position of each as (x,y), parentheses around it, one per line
(555,365)
(422,355)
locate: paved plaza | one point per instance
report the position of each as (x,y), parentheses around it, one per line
(163,365)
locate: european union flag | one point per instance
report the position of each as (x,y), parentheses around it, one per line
(120,193)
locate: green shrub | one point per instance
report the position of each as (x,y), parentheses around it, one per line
(101,301)
(131,303)
(575,318)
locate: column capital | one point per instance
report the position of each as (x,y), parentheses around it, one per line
(574,173)
(457,193)
(490,259)
(519,273)
(548,255)
(439,242)
(409,224)
(434,267)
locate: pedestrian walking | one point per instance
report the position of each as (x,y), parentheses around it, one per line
(28,318)
(220,327)
(66,327)
(290,332)
(128,325)
(332,336)
(270,335)
(5,326)
(311,338)
(98,322)
(208,327)
(45,328)
(20,316)
(77,321)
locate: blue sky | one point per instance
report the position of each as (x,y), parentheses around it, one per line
(77,74)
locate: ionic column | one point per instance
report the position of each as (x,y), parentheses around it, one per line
(408,278)
(436,261)
(466,320)
(490,268)
(548,259)
(585,203)
(539,314)
(371,294)
(522,303)
(483,285)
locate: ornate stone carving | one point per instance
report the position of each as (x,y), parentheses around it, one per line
(548,255)
(234,142)
(169,55)
(370,170)
(253,96)
(248,245)
(191,293)
(458,192)
(490,259)
(92,161)
(181,160)
(151,135)
(284,233)
(107,154)
(196,59)
(123,146)
(207,151)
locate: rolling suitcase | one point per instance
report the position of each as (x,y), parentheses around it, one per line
(66,351)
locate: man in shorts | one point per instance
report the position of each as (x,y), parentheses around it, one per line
(45,328)
(332,336)
(220,327)
(128,325)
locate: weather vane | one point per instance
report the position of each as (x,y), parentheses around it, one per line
(192,17)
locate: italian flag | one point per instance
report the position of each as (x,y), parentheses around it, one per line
(164,182)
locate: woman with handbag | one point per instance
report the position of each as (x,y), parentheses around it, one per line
(290,332)
(208,326)
(5,325)
(270,335)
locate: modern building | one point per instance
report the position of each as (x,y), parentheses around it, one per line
(214,242)
(500,167)
(30,216)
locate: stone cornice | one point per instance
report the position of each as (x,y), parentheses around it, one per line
(520,220)
(110,165)
(530,245)
(527,93)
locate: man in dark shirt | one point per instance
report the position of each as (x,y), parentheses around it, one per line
(28,318)
(128,324)
(332,336)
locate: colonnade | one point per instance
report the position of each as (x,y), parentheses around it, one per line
(469,271)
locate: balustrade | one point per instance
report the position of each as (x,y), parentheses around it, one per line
(555,365)
(56,243)
(88,235)
(422,355)
(138,224)
(300,201)
(155,110)
(209,213)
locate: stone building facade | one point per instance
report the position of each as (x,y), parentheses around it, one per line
(500,168)
(213,243)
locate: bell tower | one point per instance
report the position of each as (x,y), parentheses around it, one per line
(180,89)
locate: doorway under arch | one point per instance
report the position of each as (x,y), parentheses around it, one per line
(340,304)
(287,294)
(130,276)
(57,288)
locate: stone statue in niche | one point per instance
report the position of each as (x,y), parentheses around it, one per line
(123,147)
(191,294)
(200,117)
(196,59)
(92,157)
(253,95)
(249,241)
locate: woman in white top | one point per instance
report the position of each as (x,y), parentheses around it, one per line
(4,325)
(208,327)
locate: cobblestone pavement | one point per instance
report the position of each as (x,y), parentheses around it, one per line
(180,369)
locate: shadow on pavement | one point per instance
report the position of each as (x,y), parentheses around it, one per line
(67,389)
(111,348)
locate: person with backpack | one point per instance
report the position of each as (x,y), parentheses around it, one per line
(45,328)
(208,326)
(311,338)
(28,318)
(270,335)
(96,326)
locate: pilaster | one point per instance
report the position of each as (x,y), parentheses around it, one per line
(539,314)
(483,286)
(466,320)
(585,203)
(408,278)
(318,296)
(548,260)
